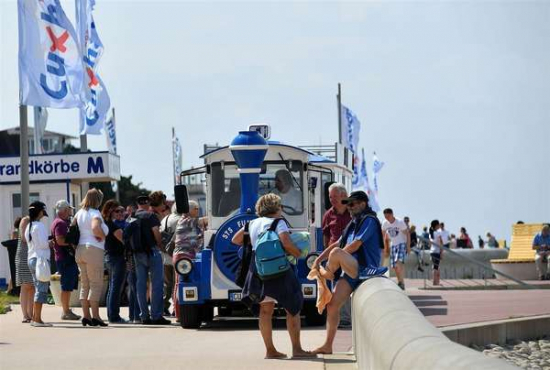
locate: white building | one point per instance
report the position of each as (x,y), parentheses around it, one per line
(53,176)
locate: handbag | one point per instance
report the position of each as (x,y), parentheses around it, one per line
(73,235)
(43,272)
(242,269)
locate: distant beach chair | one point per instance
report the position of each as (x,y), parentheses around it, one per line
(521,259)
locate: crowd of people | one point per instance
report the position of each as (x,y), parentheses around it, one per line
(103,235)
(96,239)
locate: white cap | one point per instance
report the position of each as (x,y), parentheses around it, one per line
(62,204)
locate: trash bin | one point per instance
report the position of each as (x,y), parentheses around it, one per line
(11,246)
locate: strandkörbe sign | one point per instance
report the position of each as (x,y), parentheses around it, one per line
(101,166)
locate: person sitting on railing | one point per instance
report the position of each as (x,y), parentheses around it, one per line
(357,253)
(541,243)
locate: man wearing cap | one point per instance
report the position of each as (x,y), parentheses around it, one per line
(357,253)
(64,257)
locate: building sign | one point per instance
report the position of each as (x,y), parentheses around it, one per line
(100,166)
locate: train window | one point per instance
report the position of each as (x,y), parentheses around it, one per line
(275,178)
(226,190)
(287,183)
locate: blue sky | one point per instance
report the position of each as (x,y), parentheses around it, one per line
(453,96)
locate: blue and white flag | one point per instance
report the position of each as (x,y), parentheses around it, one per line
(97,104)
(40,122)
(363,174)
(110,133)
(376,167)
(350,129)
(177,156)
(356,183)
(51,73)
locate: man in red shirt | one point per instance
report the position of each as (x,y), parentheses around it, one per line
(335,221)
(64,257)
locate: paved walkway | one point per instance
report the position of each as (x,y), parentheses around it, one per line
(226,345)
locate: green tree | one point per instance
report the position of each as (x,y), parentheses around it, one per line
(127,189)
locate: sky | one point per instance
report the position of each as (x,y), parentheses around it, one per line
(453,96)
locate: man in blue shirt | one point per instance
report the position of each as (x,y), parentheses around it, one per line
(357,253)
(541,243)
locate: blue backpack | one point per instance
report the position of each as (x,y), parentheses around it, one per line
(271,261)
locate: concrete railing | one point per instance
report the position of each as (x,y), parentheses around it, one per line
(389,332)
(454,267)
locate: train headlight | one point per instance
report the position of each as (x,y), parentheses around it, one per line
(184,266)
(311,259)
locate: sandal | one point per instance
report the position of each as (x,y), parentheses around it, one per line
(26,321)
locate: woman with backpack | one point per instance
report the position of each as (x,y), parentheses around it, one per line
(114,258)
(89,255)
(284,289)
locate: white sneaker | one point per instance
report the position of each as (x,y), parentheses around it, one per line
(41,324)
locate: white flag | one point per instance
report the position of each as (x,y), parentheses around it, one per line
(40,122)
(177,155)
(376,167)
(350,129)
(356,178)
(51,73)
(110,134)
(94,113)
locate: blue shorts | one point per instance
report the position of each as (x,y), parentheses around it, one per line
(68,269)
(398,253)
(353,283)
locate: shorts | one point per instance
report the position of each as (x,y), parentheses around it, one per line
(436,259)
(398,253)
(68,269)
(40,287)
(353,283)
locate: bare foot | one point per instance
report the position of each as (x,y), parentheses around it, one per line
(303,354)
(326,273)
(324,350)
(274,355)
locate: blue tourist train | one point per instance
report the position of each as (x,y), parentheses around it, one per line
(232,179)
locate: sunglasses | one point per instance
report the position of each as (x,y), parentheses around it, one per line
(352,204)
(117,211)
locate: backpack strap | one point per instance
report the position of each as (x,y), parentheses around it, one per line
(275,222)
(246,235)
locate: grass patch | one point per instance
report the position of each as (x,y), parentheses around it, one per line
(6,300)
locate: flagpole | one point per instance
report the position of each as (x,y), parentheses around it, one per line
(24,158)
(174,155)
(37,141)
(84,186)
(117,193)
(339,100)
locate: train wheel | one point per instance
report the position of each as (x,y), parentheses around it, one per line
(190,316)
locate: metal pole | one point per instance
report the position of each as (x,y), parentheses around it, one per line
(37,141)
(24,158)
(339,99)
(174,155)
(448,250)
(117,193)
(84,186)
